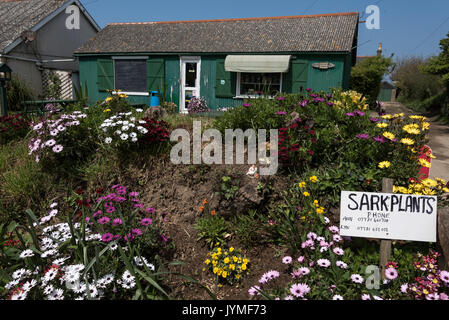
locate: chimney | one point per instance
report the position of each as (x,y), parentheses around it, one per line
(379,50)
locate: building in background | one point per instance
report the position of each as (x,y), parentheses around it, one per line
(37,40)
(223,61)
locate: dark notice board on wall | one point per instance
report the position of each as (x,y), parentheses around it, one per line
(131,75)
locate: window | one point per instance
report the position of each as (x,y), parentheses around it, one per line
(253,84)
(131,75)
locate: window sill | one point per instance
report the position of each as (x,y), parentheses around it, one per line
(132,93)
(252,97)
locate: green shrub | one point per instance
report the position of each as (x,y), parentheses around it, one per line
(18,91)
(366,77)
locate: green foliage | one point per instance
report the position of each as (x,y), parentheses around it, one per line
(18,91)
(440,65)
(247,229)
(228,188)
(366,77)
(414,84)
(212,229)
(54,89)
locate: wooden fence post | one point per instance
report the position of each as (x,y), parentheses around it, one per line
(385,245)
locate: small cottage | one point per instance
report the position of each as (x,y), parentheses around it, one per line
(37,40)
(223,61)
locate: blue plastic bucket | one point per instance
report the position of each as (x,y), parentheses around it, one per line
(154,99)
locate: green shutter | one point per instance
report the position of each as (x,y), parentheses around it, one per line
(225,81)
(299,76)
(105,74)
(155,74)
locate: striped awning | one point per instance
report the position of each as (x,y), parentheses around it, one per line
(257,63)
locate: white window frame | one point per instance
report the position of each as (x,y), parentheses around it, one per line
(240,96)
(129,93)
(182,88)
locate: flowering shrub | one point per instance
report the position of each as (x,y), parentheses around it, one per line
(427,186)
(52,137)
(295,143)
(157,131)
(197,105)
(110,254)
(211,227)
(227,264)
(349,100)
(11,127)
(122,129)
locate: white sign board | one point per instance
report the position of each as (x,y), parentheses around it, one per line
(388,216)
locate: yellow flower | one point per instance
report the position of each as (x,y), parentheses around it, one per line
(214,263)
(424,163)
(237,276)
(315,202)
(382,125)
(384,164)
(388,135)
(224,274)
(245,261)
(387,116)
(231,249)
(425,126)
(234,258)
(207,261)
(446,189)
(313,178)
(302,184)
(108,99)
(226,260)
(407,141)
(319,210)
(243,267)
(232,267)
(215,270)
(429,182)
(428,191)
(306,194)
(107,110)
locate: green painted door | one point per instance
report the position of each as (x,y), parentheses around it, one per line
(299,76)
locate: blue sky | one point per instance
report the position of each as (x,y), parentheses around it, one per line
(407,27)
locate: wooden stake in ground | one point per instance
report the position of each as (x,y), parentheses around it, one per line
(385,245)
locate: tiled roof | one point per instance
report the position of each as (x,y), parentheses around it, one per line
(313,33)
(17,16)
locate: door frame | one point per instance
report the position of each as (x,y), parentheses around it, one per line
(182,61)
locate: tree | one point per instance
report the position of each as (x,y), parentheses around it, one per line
(412,82)
(366,76)
(439,65)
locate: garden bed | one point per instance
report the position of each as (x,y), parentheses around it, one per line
(159,230)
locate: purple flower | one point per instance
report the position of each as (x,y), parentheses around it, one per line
(308,89)
(281,113)
(350,114)
(150,210)
(299,290)
(328,95)
(319,99)
(110,209)
(374,119)
(359,113)
(138,205)
(163,238)
(107,237)
(303,103)
(57,148)
(146,221)
(103,220)
(363,136)
(96,214)
(287,260)
(391,273)
(330,104)
(247,105)
(133,194)
(380,139)
(117,221)
(136,232)
(280,98)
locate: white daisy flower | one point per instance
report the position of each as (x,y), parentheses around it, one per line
(12,284)
(18,274)
(124,136)
(108,140)
(128,285)
(48,290)
(19,296)
(127,276)
(26,254)
(139,110)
